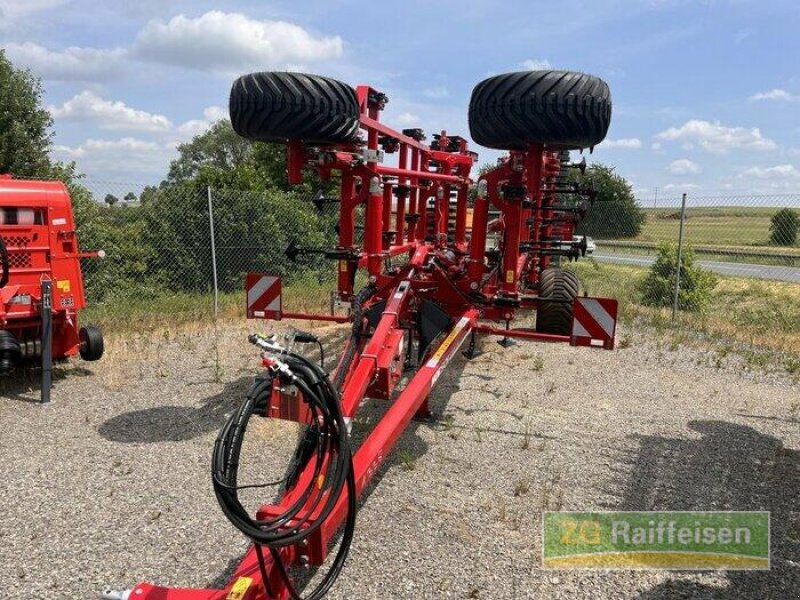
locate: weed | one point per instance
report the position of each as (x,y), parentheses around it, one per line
(522,487)
(792,365)
(526,436)
(538,363)
(407,459)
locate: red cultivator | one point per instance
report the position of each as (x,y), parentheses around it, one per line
(411,318)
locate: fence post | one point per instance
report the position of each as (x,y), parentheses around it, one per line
(680,258)
(213,252)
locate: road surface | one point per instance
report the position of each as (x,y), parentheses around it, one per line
(731,269)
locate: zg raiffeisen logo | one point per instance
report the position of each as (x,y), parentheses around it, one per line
(656,540)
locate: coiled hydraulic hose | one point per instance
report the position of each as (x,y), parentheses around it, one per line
(325,443)
(5,263)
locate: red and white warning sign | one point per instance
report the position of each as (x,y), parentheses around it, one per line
(263,296)
(594,322)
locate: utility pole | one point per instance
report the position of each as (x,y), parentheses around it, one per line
(655,199)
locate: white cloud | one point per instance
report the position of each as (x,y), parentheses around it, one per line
(436,92)
(683,166)
(536,64)
(681,187)
(655,146)
(776,94)
(12,9)
(776,172)
(194,127)
(623,143)
(70,64)
(126,155)
(407,118)
(221,41)
(89,107)
(717,138)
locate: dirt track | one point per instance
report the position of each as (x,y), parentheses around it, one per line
(110,484)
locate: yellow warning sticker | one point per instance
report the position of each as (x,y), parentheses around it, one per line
(510,276)
(64,285)
(239,589)
(343,266)
(437,356)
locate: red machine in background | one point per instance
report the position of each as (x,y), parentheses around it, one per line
(39,250)
(425,293)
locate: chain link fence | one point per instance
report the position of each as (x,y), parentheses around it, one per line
(186,248)
(746,236)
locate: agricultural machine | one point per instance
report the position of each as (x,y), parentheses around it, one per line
(429,289)
(41,286)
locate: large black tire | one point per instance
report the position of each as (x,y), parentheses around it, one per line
(275,107)
(92,345)
(559,109)
(556,317)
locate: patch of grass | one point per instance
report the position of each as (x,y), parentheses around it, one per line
(168,310)
(538,363)
(713,225)
(763,314)
(407,459)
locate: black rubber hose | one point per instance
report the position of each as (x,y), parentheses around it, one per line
(353,343)
(5,263)
(332,468)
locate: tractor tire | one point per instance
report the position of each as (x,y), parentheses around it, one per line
(556,317)
(92,345)
(561,110)
(276,107)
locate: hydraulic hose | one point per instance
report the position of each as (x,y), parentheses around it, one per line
(351,349)
(5,264)
(325,448)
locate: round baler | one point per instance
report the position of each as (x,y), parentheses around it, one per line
(38,243)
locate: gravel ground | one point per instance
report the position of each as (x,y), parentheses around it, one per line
(110,484)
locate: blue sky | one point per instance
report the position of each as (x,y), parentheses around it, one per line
(706,93)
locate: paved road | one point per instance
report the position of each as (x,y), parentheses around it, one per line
(791,274)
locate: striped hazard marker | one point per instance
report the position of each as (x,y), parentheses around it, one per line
(594,322)
(263,296)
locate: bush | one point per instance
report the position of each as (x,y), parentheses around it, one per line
(658,286)
(784,227)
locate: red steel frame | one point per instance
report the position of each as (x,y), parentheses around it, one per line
(451,269)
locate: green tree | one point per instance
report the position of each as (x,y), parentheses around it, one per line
(111,199)
(25,137)
(222,159)
(784,227)
(130,197)
(256,213)
(696,284)
(615,213)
